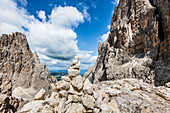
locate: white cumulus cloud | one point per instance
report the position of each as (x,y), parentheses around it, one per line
(115,2)
(41,15)
(54,39)
(105,36)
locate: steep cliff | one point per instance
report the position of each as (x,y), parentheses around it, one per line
(138,45)
(21,68)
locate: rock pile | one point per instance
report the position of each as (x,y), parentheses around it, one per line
(75,94)
(75,68)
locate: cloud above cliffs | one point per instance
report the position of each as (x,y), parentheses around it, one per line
(54,39)
(103,37)
(115,2)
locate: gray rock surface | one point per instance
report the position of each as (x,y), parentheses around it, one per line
(138,45)
(119,96)
(21,66)
(8,103)
(21,73)
(40,95)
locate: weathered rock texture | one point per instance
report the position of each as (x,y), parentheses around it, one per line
(8,103)
(138,45)
(75,68)
(20,69)
(120,96)
(21,66)
(75,94)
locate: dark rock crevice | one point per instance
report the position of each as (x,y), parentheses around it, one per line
(160,29)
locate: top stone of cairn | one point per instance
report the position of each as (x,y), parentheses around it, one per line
(75,68)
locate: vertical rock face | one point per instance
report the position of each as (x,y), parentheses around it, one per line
(20,66)
(138,45)
(140,25)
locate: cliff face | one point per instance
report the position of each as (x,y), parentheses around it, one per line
(19,65)
(138,45)
(19,70)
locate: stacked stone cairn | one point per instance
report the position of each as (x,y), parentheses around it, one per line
(73,94)
(75,68)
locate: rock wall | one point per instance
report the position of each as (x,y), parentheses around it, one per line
(21,66)
(138,45)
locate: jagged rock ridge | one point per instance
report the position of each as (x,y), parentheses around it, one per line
(20,68)
(138,45)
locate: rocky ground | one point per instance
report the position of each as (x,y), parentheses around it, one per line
(75,94)
(78,95)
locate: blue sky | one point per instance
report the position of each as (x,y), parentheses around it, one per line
(59,29)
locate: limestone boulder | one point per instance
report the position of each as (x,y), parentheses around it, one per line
(63,93)
(32,106)
(112,92)
(65,78)
(76,58)
(40,95)
(62,85)
(73,73)
(75,62)
(167,84)
(26,94)
(47,109)
(75,108)
(76,66)
(88,87)
(61,105)
(74,98)
(88,101)
(77,82)
(74,91)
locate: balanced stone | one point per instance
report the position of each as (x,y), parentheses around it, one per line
(75,68)
(73,73)
(75,62)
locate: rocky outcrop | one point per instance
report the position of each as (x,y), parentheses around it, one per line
(138,45)
(8,103)
(20,65)
(21,73)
